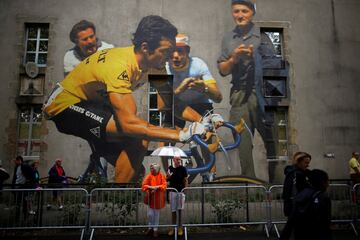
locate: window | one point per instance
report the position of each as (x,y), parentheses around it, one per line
(155,116)
(28,144)
(36,43)
(275,86)
(275,36)
(276,133)
(163,116)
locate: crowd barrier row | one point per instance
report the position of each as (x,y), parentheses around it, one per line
(125,208)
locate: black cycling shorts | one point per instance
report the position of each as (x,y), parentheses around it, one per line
(86,120)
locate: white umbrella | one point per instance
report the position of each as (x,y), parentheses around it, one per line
(168,151)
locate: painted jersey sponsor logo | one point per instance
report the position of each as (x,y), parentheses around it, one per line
(96,131)
(87,113)
(123,76)
(102,56)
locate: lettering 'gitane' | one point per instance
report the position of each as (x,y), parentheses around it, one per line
(94,116)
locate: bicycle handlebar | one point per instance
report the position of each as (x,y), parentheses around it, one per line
(206,167)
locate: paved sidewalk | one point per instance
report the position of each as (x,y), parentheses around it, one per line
(115,234)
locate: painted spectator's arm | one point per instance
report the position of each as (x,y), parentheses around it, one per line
(225,67)
(212,91)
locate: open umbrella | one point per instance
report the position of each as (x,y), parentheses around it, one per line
(168,151)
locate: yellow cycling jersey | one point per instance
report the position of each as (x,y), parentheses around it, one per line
(110,70)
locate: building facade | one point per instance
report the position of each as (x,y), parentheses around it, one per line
(310,97)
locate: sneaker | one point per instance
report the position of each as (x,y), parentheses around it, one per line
(61,207)
(48,206)
(180,231)
(156,234)
(171,232)
(31,212)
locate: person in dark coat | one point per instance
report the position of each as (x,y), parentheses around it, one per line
(296,180)
(33,197)
(57,179)
(312,209)
(22,178)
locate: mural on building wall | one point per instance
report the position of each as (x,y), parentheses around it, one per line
(245,52)
(95,100)
(86,43)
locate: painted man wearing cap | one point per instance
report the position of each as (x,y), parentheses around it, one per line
(83,35)
(243,50)
(193,84)
(95,101)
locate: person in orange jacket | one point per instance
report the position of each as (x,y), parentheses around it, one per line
(154,185)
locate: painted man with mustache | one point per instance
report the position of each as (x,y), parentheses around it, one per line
(83,35)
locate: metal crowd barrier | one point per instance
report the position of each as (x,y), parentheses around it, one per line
(276,206)
(125,208)
(343,208)
(356,207)
(225,205)
(36,209)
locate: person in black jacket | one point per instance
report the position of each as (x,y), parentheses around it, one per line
(177,176)
(22,178)
(57,179)
(312,209)
(34,184)
(296,180)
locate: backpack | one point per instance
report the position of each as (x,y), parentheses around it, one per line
(306,204)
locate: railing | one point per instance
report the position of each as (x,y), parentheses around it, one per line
(125,208)
(37,209)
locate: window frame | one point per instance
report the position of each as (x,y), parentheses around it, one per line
(153,91)
(279,30)
(275,138)
(28,152)
(38,39)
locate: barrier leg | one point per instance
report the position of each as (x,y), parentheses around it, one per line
(276,231)
(354,229)
(82,234)
(92,234)
(266,231)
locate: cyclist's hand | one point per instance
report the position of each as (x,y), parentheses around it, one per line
(194,128)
